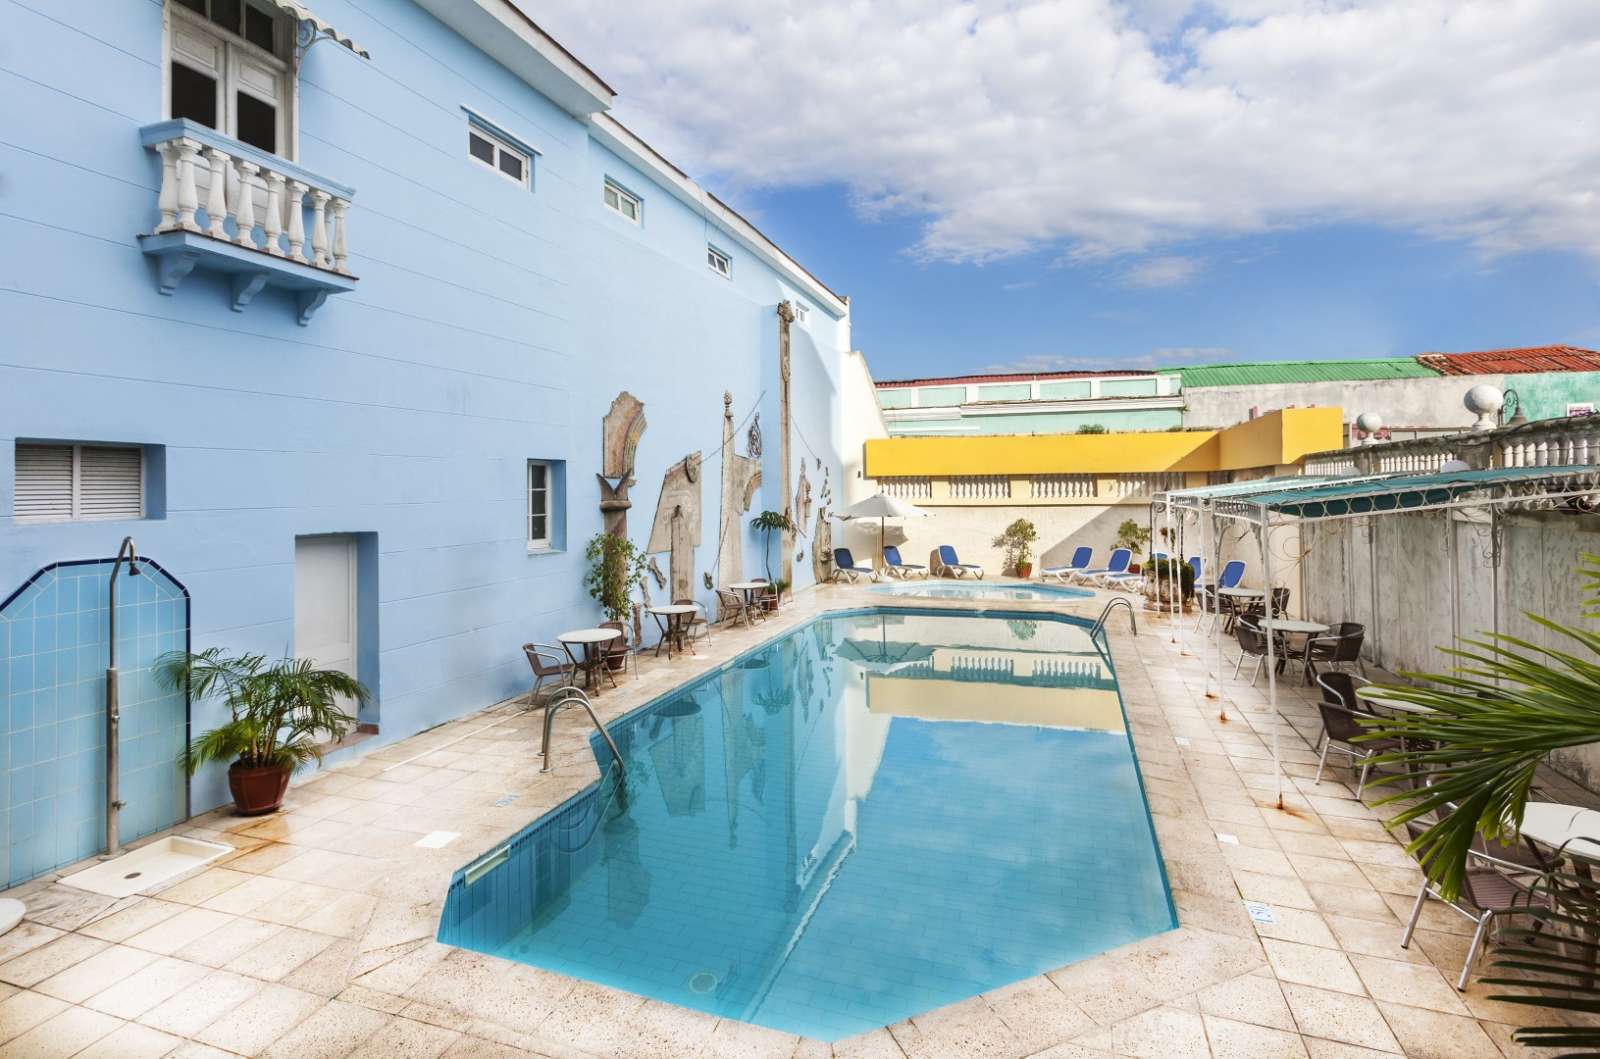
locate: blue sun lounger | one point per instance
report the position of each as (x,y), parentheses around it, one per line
(1081,557)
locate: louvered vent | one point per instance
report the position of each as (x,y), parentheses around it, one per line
(110,482)
(62,482)
(44,483)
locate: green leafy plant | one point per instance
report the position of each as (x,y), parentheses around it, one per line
(1499,712)
(1132,536)
(1166,569)
(1017,540)
(616,568)
(770,522)
(279,713)
(1092,428)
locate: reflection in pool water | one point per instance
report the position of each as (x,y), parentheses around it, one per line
(899,810)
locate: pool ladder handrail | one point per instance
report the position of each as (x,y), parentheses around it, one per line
(1100,622)
(569,696)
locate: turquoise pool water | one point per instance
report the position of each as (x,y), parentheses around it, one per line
(877,814)
(979,590)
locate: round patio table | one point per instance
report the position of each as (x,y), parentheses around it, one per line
(1296,627)
(1572,828)
(748,590)
(594,659)
(1373,695)
(673,619)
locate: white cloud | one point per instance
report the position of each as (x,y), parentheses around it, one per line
(1109,127)
(1154,272)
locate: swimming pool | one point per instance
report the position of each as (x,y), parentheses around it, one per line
(876,814)
(979,590)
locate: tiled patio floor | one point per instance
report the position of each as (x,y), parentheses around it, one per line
(314,938)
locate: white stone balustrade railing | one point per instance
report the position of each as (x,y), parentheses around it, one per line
(1571,442)
(907,488)
(980,487)
(215,185)
(1064,486)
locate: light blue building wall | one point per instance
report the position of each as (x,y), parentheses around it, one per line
(491,324)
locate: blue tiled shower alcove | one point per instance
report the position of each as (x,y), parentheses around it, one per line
(52,713)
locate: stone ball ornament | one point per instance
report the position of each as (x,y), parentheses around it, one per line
(1485,402)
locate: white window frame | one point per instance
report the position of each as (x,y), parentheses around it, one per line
(801,311)
(612,189)
(546,542)
(76,500)
(501,146)
(719,261)
(236,51)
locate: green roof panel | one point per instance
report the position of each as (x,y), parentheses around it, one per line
(1281,371)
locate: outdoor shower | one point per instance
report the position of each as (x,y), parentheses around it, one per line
(113,706)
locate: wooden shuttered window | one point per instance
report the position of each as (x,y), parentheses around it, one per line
(57,483)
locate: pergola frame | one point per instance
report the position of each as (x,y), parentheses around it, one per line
(1268,504)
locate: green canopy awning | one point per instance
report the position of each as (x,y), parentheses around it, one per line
(1338,498)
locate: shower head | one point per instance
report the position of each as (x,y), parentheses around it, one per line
(133,567)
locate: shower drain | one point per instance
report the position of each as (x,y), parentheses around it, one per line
(702,983)
(133,875)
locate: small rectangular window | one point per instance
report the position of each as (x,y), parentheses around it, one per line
(62,483)
(801,311)
(623,202)
(494,153)
(719,262)
(538,504)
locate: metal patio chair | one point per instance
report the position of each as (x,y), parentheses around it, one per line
(547,663)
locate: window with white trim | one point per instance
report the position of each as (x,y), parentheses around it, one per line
(623,202)
(491,152)
(539,504)
(229,69)
(801,311)
(719,262)
(78,483)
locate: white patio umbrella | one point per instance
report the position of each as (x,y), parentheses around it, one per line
(882,508)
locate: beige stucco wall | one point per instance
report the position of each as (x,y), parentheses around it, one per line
(1415,602)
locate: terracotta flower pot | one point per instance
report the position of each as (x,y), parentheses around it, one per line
(1024,570)
(258,790)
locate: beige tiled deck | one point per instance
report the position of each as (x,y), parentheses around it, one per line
(314,938)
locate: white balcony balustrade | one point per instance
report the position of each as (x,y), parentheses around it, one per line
(266,222)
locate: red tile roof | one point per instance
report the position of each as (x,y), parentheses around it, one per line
(1513,361)
(1026,376)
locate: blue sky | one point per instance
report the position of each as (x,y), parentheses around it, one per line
(1087,183)
(1316,292)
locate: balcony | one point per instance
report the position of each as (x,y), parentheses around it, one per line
(262,220)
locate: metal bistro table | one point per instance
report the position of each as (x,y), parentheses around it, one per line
(594,659)
(673,620)
(748,590)
(1292,626)
(1373,695)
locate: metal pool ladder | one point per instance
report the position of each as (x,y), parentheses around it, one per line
(1099,624)
(569,696)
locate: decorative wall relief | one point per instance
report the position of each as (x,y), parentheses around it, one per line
(822,547)
(676,529)
(802,503)
(621,430)
(655,572)
(786,316)
(741,476)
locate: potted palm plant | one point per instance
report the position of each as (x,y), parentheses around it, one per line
(1017,540)
(279,716)
(1490,723)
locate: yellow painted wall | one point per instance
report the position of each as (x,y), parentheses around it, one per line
(1280,437)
